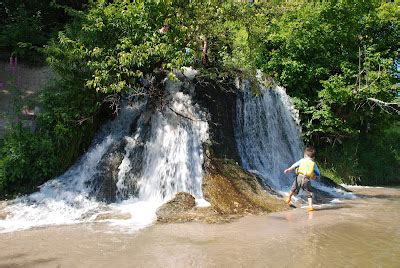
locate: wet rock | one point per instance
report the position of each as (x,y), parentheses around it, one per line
(220,102)
(231,190)
(103,208)
(104,184)
(320,196)
(3,213)
(3,204)
(174,209)
(330,183)
(113,216)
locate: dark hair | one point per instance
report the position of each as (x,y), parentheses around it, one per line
(310,152)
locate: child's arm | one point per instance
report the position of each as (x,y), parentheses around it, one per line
(316,171)
(294,166)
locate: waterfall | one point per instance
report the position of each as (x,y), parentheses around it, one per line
(136,163)
(267,135)
(173,156)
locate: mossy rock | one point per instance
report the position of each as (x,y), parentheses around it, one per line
(113,216)
(182,209)
(232,190)
(182,202)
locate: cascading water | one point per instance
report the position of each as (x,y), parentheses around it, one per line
(137,162)
(173,155)
(268,137)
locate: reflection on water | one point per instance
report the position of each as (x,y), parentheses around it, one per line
(364,232)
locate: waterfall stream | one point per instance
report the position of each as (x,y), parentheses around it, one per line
(267,135)
(136,163)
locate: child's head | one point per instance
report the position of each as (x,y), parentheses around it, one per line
(309,152)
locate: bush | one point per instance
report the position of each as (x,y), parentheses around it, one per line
(26,26)
(372,159)
(70,117)
(65,129)
(26,160)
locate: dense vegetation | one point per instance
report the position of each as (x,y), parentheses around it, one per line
(28,25)
(336,58)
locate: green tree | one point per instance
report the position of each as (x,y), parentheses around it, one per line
(27,25)
(335,57)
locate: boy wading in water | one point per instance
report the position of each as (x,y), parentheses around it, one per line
(306,170)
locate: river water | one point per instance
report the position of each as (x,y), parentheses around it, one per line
(362,232)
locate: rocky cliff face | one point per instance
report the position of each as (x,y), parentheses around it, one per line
(220,102)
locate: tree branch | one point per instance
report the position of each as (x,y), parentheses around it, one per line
(386,106)
(182,115)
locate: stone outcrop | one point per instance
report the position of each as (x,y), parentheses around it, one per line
(232,193)
(232,190)
(177,208)
(3,213)
(220,102)
(226,185)
(113,216)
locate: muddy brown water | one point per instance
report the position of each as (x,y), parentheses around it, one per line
(364,232)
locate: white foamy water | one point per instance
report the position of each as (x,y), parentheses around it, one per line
(268,137)
(168,146)
(66,199)
(173,157)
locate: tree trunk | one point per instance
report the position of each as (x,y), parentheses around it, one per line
(204,52)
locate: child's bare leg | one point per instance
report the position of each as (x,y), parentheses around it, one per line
(289,199)
(310,196)
(310,204)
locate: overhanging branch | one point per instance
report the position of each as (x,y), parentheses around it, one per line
(389,107)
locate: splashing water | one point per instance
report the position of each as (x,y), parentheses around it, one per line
(163,156)
(268,137)
(65,199)
(173,155)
